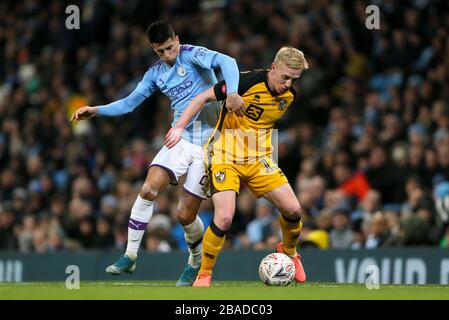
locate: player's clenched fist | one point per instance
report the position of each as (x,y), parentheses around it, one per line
(84,113)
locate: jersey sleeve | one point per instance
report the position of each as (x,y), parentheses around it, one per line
(200,56)
(122,106)
(147,85)
(210,59)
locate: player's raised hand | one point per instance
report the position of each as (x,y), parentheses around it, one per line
(235,104)
(172,137)
(83,113)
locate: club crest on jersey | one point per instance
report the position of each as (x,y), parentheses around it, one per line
(282,104)
(220,176)
(181,71)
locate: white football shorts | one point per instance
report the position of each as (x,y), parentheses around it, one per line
(184,157)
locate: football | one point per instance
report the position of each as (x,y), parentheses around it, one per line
(277,269)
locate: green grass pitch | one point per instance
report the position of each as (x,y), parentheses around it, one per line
(220,290)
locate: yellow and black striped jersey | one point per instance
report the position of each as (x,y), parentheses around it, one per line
(248,138)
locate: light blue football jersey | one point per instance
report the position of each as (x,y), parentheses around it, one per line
(191,75)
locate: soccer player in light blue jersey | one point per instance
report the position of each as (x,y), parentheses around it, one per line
(181,73)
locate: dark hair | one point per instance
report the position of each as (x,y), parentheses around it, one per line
(159,32)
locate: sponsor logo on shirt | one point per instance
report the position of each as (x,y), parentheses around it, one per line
(179,89)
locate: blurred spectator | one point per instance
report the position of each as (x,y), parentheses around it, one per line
(370,204)
(341,235)
(244,213)
(360,231)
(156,243)
(25,234)
(259,230)
(441,198)
(379,232)
(104,238)
(384,176)
(108,206)
(120,236)
(8,239)
(425,208)
(55,241)
(415,231)
(158,236)
(86,233)
(392,216)
(40,242)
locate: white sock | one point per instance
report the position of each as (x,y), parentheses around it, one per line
(140,216)
(193,233)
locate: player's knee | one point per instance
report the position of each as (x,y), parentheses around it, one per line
(224,221)
(293,211)
(185,216)
(148,192)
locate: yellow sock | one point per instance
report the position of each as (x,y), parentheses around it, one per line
(213,242)
(290,235)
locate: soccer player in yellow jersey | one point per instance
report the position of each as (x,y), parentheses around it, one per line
(240,149)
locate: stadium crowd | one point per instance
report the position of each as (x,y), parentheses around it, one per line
(366,144)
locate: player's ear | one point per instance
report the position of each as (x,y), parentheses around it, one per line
(273,66)
(177,39)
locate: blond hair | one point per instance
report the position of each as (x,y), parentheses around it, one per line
(292,57)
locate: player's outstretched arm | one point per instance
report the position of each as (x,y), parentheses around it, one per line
(116,108)
(84,113)
(175,133)
(122,106)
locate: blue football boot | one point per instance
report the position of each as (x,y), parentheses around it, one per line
(188,277)
(124,264)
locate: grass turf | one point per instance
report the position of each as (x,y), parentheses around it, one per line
(220,290)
